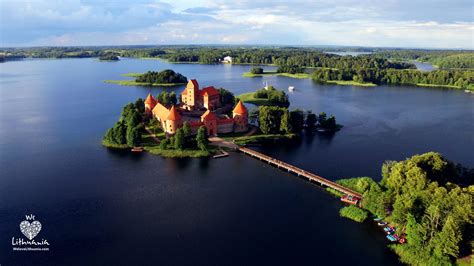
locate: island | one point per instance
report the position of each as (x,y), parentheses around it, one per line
(205,122)
(109,57)
(163,78)
(259,72)
(425,205)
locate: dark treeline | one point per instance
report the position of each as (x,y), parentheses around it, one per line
(294,60)
(458,78)
(440,58)
(162,77)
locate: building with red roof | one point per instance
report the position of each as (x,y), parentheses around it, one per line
(194,100)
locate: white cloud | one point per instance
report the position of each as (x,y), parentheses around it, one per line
(347,22)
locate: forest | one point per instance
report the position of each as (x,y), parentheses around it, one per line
(166,76)
(455,78)
(429,199)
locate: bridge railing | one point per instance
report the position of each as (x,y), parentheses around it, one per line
(299,171)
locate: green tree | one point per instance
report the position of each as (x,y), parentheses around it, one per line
(164,143)
(226,97)
(296,120)
(186,129)
(447,241)
(311,119)
(256,70)
(132,118)
(172,98)
(133,136)
(140,105)
(270,118)
(285,126)
(201,138)
(179,139)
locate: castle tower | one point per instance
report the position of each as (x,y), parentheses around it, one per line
(173,121)
(240,115)
(190,93)
(150,103)
(209,120)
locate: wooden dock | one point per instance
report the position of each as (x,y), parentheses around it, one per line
(300,172)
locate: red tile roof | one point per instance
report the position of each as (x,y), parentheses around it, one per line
(211,91)
(240,108)
(150,100)
(208,115)
(160,111)
(173,114)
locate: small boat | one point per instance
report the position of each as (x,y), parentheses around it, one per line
(377,219)
(467,91)
(291,88)
(389,229)
(391,238)
(382,223)
(137,149)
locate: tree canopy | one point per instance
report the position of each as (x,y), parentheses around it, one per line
(163,77)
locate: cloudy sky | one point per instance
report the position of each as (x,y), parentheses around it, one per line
(392,23)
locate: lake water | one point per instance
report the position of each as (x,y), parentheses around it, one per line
(344,53)
(100,207)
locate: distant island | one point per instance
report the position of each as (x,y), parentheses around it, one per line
(109,57)
(166,77)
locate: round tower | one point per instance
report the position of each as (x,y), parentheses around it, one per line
(173,121)
(240,115)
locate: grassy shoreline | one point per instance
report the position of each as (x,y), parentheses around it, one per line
(438,86)
(351,83)
(134,83)
(274,73)
(354,213)
(250,98)
(264,138)
(115,146)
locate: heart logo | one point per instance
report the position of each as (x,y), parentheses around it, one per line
(30,230)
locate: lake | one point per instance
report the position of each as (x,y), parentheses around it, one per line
(102,207)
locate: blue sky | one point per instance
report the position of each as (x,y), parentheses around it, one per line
(389,23)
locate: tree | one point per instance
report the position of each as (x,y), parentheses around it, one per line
(133,136)
(179,139)
(186,129)
(285,126)
(447,241)
(311,119)
(164,98)
(172,98)
(226,97)
(296,120)
(256,70)
(119,133)
(270,118)
(322,118)
(164,143)
(201,138)
(132,118)
(140,105)
(166,76)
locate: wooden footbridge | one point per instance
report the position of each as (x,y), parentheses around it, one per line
(300,172)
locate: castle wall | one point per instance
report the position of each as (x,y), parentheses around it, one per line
(225,128)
